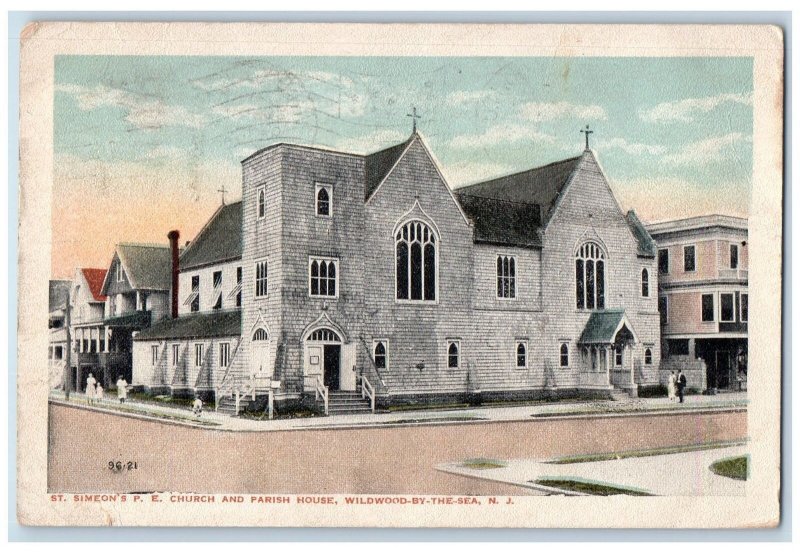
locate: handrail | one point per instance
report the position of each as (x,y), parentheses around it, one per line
(224,383)
(367,391)
(321,390)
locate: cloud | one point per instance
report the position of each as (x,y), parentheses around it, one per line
(702,152)
(632,148)
(688,109)
(143,112)
(460,97)
(500,134)
(289,112)
(547,111)
(466,172)
(371,142)
(165,152)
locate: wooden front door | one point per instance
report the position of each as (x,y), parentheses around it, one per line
(332,362)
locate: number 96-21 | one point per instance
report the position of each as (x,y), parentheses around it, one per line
(118,466)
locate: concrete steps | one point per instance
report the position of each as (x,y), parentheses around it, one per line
(345,403)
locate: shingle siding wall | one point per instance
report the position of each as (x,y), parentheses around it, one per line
(206,275)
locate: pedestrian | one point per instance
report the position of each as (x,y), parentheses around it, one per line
(90,384)
(122,389)
(671,382)
(197,407)
(681,384)
(98,393)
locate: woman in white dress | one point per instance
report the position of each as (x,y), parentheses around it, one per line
(122,389)
(671,385)
(90,383)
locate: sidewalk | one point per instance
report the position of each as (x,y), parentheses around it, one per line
(217,421)
(673,474)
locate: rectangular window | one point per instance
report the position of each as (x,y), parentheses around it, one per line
(224,354)
(323,200)
(734,256)
(261,279)
(238,286)
(198,355)
(175,354)
(708,307)
(743,308)
(217,290)
(120,273)
(618,356)
(453,354)
(663,261)
(726,310)
(323,274)
(521,353)
(688,259)
(380,353)
(195,296)
(59,352)
(154,354)
(506,277)
(663,310)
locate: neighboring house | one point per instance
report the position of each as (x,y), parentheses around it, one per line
(59,295)
(370,271)
(703,298)
(137,286)
(190,352)
(87,309)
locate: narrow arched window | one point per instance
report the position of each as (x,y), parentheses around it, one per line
(522,355)
(416,260)
(590,276)
(648,356)
(262,203)
(645,283)
(324,201)
(453,360)
(379,354)
(506,277)
(564,355)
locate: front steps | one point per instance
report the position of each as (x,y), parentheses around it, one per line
(345,403)
(227,405)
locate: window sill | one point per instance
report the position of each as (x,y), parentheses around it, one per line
(418,303)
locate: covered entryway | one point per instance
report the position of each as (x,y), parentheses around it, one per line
(259,354)
(607,344)
(323,356)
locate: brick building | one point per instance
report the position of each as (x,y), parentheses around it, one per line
(703,298)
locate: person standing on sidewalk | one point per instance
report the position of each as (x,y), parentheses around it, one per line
(681,384)
(90,384)
(122,389)
(671,382)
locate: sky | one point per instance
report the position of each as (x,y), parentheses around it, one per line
(144,145)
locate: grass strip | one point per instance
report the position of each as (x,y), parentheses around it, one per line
(732,467)
(590,488)
(482,464)
(613,456)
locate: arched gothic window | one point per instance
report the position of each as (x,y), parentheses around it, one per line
(453,361)
(645,283)
(416,262)
(522,355)
(260,335)
(323,201)
(648,356)
(262,203)
(379,355)
(506,277)
(563,355)
(590,276)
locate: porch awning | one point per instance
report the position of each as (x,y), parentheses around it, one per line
(603,327)
(134,321)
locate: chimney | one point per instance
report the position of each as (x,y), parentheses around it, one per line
(173,236)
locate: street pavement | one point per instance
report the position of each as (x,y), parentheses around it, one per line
(675,474)
(210,418)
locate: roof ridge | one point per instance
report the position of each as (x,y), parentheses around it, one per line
(143,245)
(514,173)
(515,202)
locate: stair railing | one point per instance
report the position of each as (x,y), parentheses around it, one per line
(321,390)
(367,391)
(227,382)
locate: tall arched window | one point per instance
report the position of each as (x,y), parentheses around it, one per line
(262,203)
(323,201)
(379,354)
(645,283)
(648,356)
(522,355)
(563,355)
(415,260)
(453,360)
(590,276)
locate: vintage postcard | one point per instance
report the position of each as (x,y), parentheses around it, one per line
(400,275)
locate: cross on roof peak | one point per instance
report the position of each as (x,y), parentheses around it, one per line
(222,191)
(414,118)
(587,132)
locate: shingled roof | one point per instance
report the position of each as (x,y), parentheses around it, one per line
(378,164)
(647,246)
(218,241)
(147,266)
(602,326)
(509,210)
(95,278)
(203,325)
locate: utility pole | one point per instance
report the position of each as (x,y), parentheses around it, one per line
(68,353)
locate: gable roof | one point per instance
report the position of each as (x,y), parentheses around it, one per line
(95,278)
(602,326)
(378,164)
(147,266)
(203,325)
(647,246)
(509,210)
(59,292)
(218,241)
(503,222)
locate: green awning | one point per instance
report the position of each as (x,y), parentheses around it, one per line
(135,320)
(603,326)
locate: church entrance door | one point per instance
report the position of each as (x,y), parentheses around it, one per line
(332,365)
(323,357)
